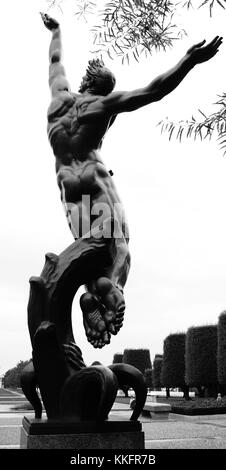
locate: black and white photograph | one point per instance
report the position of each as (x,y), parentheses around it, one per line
(113,231)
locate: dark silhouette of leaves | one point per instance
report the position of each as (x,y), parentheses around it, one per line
(130,28)
(205,128)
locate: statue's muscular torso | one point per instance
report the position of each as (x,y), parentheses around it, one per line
(76,138)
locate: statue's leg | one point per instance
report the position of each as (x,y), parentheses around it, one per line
(109,288)
(103,306)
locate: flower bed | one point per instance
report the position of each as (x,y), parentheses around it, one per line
(196,406)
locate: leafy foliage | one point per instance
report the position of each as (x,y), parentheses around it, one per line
(12,376)
(84,8)
(130,28)
(212,3)
(221,352)
(134,27)
(54,3)
(215,122)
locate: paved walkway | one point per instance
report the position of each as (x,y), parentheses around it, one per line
(178,432)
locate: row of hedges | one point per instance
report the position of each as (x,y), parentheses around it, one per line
(196,359)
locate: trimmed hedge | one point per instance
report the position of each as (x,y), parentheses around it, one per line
(139,358)
(148,377)
(173,365)
(117,358)
(156,372)
(221,350)
(201,357)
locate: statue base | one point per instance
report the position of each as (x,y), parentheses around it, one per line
(53,434)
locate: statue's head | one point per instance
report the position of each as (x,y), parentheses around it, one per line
(98,79)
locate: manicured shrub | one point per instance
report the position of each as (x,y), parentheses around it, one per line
(221,351)
(148,378)
(201,358)
(173,365)
(156,372)
(139,358)
(117,359)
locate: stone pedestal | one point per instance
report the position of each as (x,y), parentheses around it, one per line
(52,434)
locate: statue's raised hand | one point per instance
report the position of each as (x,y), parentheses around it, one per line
(200,53)
(49,22)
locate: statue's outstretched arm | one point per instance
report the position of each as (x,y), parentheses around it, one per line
(118,102)
(57,78)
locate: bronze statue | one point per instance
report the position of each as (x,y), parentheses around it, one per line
(77,124)
(99,258)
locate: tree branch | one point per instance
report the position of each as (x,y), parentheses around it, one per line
(214,123)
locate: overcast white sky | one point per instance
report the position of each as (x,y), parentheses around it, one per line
(174,194)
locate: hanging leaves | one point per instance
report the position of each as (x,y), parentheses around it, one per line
(130,28)
(214,123)
(212,3)
(136,27)
(85,8)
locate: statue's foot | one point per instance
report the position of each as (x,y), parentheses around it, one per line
(93,321)
(114,304)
